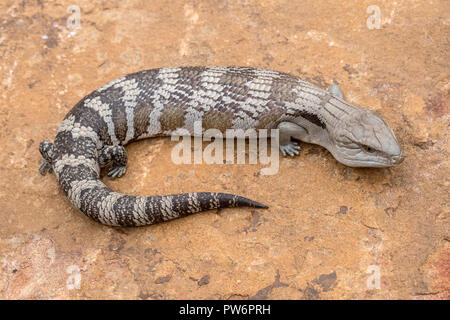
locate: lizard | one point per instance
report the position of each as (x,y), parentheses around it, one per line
(157,102)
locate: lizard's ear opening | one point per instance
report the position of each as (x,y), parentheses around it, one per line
(46,150)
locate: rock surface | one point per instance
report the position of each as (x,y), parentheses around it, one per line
(331,231)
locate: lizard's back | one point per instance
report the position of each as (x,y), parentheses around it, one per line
(160,101)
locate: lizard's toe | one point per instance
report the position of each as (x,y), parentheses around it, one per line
(117,171)
(45,168)
(292,149)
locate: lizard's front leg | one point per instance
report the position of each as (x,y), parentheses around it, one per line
(289,130)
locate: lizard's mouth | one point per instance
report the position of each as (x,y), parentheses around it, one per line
(361,158)
(366,163)
(380,161)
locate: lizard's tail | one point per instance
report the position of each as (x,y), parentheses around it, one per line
(96,200)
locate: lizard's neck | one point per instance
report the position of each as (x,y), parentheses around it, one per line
(320,107)
(319,112)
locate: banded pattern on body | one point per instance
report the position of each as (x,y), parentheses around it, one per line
(159,102)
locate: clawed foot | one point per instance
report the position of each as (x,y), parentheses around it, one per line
(117,171)
(46,149)
(45,168)
(118,156)
(292,149)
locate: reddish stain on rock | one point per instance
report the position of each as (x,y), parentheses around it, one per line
(438,105)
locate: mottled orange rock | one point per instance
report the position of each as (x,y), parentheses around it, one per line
(331,231)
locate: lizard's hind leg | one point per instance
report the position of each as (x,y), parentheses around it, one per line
(46,150)
(118,156)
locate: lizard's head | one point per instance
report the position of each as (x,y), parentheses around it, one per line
(363,139)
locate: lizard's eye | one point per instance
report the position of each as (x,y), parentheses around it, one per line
(368,149)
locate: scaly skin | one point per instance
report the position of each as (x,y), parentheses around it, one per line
(158,102)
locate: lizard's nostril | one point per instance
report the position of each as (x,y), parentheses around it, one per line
(398,159)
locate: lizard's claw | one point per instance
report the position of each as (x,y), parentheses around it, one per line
(45,168)
(292,149)
(117,171)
